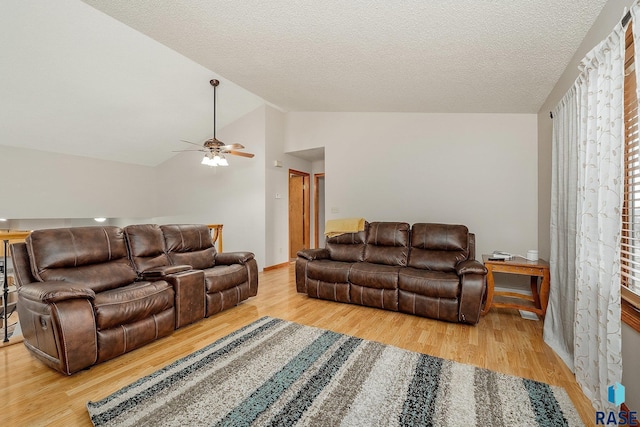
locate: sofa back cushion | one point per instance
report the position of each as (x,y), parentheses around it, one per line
(146,246)
(387,243)
(189,244)
(348,247)
(95,256)
(438,247)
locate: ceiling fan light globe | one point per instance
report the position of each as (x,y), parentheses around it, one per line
(223,162)
(209,161)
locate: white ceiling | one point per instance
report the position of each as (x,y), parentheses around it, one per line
(74,80)
(496,56)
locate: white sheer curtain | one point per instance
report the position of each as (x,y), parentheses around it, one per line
(590,299)
(558,323)
(598,344)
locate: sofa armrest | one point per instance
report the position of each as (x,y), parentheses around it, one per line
(55,291)
(163,271)
(229,258)
(58,324)
(470,266)
(313,254)
(473,286)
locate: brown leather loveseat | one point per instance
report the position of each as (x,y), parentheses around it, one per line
(426,269)
(89,294)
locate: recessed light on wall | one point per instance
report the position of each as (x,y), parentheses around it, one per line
(99,219)
(3,219)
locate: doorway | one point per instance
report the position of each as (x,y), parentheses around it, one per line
(299,211)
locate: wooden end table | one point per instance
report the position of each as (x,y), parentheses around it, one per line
(522,266)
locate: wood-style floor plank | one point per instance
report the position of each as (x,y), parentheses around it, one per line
(32,394)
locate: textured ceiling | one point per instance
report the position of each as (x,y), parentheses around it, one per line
(75,80)
(493,56)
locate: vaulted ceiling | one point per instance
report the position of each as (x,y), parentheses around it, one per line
(75,80)
(493,56)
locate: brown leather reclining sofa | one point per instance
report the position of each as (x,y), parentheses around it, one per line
(89,294)
(427,269)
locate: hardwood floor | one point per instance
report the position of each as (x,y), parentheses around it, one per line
(32,394)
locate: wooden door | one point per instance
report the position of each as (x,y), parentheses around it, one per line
(299,199)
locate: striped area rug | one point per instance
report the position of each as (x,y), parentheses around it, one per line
(278,373)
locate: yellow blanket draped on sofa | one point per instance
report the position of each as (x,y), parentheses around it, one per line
(336,227)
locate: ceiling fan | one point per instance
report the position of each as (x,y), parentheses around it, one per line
(214,149)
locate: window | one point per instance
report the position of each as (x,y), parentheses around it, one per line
(630,245)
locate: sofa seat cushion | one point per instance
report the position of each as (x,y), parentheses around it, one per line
(329,271)
(436,284)
(223,277)
(374,275)
(132,303)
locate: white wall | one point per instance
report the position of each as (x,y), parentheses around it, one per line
(52,188)
(277,182)
(317,167)
(321,240)
(39,223)
(472,169)
(38,184)
(631,366)
(76,81)
(188,192)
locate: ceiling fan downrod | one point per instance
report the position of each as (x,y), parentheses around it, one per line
(214,83)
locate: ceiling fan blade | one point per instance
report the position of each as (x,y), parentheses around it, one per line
(180,151)
(234,146)
(189,142)
(240,153)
